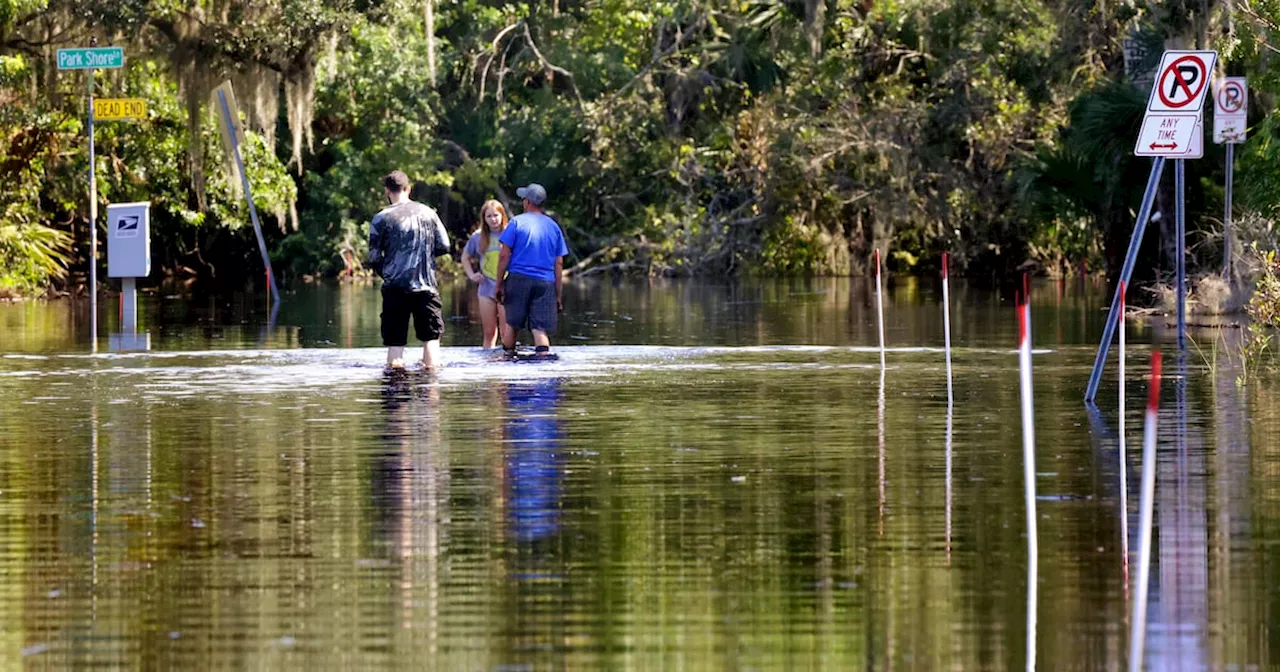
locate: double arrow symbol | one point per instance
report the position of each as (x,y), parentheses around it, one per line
(1155,146)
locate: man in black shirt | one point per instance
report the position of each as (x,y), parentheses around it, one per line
(404,240)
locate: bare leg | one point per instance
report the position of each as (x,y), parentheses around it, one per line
(490,311)
(508,336)
(395,356)
(540,338)
(431,354)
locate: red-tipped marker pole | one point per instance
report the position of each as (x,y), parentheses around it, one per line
(1138,623)
(1029,473)
(880,307)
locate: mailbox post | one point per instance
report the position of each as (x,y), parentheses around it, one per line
(129,255)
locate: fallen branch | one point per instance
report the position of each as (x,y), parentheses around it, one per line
(591,258)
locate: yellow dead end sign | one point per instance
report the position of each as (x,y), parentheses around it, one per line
(119,109)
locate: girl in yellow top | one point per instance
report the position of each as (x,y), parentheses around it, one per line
(483,247)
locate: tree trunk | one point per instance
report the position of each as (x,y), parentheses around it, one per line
(815,13)
(429,25)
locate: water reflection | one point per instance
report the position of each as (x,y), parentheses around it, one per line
(533,471)
(1177,615)
(410,491)
(685,508)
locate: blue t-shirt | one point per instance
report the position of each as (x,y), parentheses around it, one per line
(535,241)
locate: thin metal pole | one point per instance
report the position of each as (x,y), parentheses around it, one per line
(1227,232)
(1138,622)
(1029,475)
(1131,258)
(1180,207)
(93,223)
(248,193)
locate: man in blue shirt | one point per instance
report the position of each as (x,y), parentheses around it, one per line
(530,267)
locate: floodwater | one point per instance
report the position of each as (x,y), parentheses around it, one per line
(712,477)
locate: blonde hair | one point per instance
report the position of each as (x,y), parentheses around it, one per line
(484,226)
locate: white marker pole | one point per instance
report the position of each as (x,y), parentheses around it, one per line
(1124,462)
(880,307)
(93,221)
(946,320)
(1029,473)
(1138,623)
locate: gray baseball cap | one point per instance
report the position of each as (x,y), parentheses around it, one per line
(536,194)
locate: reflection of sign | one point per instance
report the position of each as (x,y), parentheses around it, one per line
(1231,108)
(1167,135)
(119,109)
(127,226)
(1182,81)
(91,58)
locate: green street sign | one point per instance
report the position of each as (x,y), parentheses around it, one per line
(90,58)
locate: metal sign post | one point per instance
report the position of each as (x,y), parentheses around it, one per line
(1126,271)
(1230,122)
(90,59)
(1180,232)
(1170,130)
(233,137)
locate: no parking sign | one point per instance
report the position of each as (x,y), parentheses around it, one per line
(1230,109)
(1173,126)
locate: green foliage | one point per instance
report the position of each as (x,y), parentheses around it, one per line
(758,136)
(1263,310)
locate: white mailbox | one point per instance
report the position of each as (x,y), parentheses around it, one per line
(129,240)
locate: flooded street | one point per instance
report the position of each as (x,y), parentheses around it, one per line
(710,477)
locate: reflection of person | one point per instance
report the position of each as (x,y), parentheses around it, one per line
(533,252)
(485,247)
(409,496)
(533,461)
(404,239)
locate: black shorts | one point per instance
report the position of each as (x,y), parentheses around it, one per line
(530,302)
(399,304)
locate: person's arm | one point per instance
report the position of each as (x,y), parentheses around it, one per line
(375,245)
(504,258)
(562,253)
(560,284)
(469,258)
(441,246)
(468,267)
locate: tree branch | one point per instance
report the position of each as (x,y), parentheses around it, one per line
(551,66)
(484,75)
